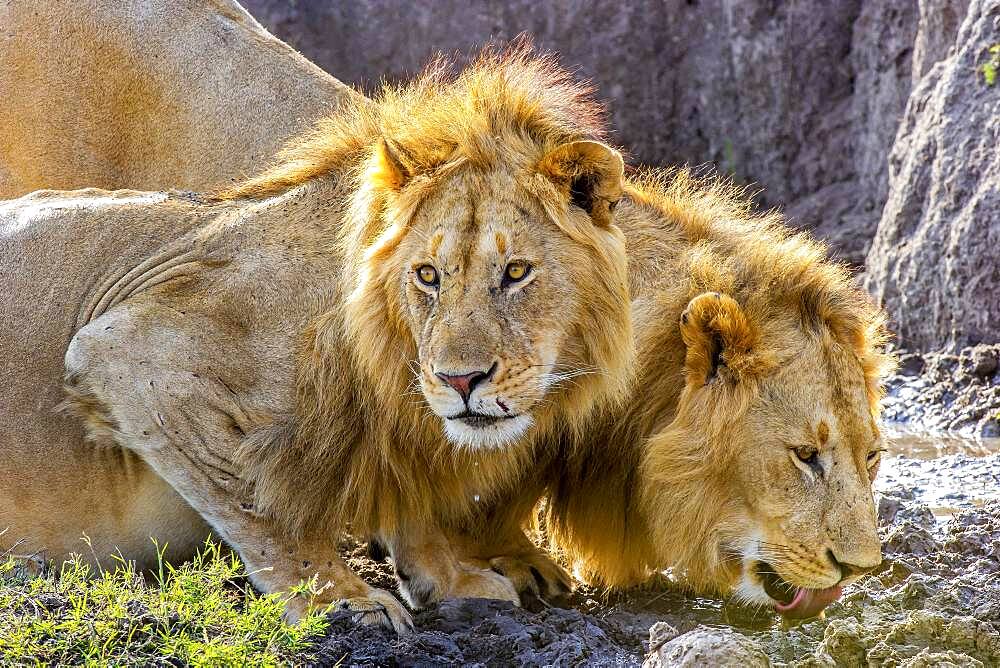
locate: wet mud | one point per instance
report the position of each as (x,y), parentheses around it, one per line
(945,392)
(934,601)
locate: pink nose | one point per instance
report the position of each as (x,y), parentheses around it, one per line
(465,383)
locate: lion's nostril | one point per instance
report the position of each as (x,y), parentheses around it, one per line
(466,383)
(847,570)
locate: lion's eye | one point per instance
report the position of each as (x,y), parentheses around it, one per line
(516,271)
(810,457)
(427,275)
(873,460)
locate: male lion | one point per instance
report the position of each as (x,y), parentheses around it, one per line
(149,94)
(259,354)
(745,457)
(744,452)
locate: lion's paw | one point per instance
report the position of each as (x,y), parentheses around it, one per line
(476,582)
(535,576)
(378,608)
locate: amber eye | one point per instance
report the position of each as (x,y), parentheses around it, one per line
(427,275)
(810,457)
(516,271)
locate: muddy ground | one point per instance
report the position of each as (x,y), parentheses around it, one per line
(947,393)
(935,600)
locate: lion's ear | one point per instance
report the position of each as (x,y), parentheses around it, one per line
(590,175)
(720,339)
(391,167)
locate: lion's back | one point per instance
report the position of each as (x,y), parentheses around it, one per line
(123,93)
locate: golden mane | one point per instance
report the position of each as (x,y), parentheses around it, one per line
(505,101)
(360,448)
(770,268)
(687,236)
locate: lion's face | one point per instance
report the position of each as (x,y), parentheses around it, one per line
(810,451)
(498,290)
(790,449)
(489,282)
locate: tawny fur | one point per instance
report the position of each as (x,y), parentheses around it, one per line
(145,94)
(290,326)
(663,482)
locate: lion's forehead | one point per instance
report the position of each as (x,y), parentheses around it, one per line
(814,407)
(484,232)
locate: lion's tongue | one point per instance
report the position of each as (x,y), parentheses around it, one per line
(808,602)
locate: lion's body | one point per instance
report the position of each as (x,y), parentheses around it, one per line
(664,479)
(147,95)
(56,486)
(256,354)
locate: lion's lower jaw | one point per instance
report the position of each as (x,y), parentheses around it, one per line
(751,592)
(495,436)
(748,588)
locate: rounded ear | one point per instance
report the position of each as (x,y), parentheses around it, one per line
(719,337)
(391,167)
(590,175)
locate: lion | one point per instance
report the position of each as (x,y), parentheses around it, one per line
(116,94)
(743,454)
(370,335)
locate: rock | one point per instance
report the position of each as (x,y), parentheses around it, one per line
(803,98)
(983,361)
(843,643)
(910,364)
(660,633)
(888,507)
(910,538)
(928,659)
(706,646)
(934,262)
(936,31)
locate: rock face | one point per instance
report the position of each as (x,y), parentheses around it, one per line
(935,262)
(800,97)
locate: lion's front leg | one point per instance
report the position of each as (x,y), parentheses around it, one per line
(315,577)
(187,427)
(507,550)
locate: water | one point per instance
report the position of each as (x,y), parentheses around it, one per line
(904,443)
(946,473)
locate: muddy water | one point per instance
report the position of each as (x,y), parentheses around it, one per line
(946,473)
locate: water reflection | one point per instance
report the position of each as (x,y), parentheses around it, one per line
(943,472)
(934,446)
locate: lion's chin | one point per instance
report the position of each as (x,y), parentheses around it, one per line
(481,434)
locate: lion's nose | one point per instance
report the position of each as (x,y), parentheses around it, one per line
(848,570)
(465,383)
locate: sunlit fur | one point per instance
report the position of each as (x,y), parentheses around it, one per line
(362,448)
(697,472)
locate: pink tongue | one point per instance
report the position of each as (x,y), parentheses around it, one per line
(808,602)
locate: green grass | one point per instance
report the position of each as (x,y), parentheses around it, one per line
(204,613)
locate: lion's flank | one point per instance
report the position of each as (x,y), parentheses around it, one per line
(506,100)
